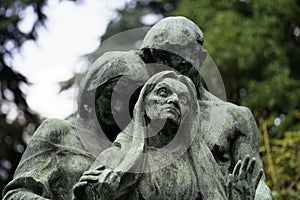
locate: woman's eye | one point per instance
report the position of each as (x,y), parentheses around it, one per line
(184,99)
(163,92)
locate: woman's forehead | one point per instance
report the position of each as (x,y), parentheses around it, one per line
(173,84)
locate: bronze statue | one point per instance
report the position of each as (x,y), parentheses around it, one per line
(230,131)
(58,159)
(160,155)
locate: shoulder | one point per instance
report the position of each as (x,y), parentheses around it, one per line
(231,109)
(240,112)
(236,117)
(57,131)
(51,125)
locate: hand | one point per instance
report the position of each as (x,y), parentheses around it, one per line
(108,180)
(97,183)
(82,189)
(242,184)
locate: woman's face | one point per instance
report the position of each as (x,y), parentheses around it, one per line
(170,99)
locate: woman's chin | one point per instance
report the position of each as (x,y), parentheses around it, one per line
(172,122)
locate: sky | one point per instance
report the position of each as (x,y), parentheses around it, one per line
(71,31)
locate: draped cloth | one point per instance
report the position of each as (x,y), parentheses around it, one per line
(95,125)
(183,169)
(51,165)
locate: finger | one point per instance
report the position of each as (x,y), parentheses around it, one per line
(229,180)
(103,182)
(229,186)
(92,172)
(78,187)
(250,168)
(104,176)
(115,181)
(88,178)
(261,172)
(109,180)
(113,177)
(237,169)
(242,173)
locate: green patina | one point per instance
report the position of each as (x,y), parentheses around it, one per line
(220,158)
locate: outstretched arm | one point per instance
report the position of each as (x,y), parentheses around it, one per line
(242,184)
(247,144)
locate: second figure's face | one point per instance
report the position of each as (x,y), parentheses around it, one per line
(169,100)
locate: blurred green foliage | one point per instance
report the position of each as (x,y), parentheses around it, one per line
(287,170)
(256,46)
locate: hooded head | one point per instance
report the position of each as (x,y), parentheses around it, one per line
(133,141)
(176,42)
(107,94)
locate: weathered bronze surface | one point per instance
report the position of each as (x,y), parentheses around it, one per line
(172,139)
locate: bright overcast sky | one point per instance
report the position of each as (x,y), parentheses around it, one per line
(71,31)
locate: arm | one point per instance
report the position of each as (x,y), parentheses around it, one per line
(28,182)
(24,188)
(53,154)
(247,144)
(20,194)
(242,184)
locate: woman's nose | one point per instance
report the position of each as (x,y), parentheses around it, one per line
(173,99)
